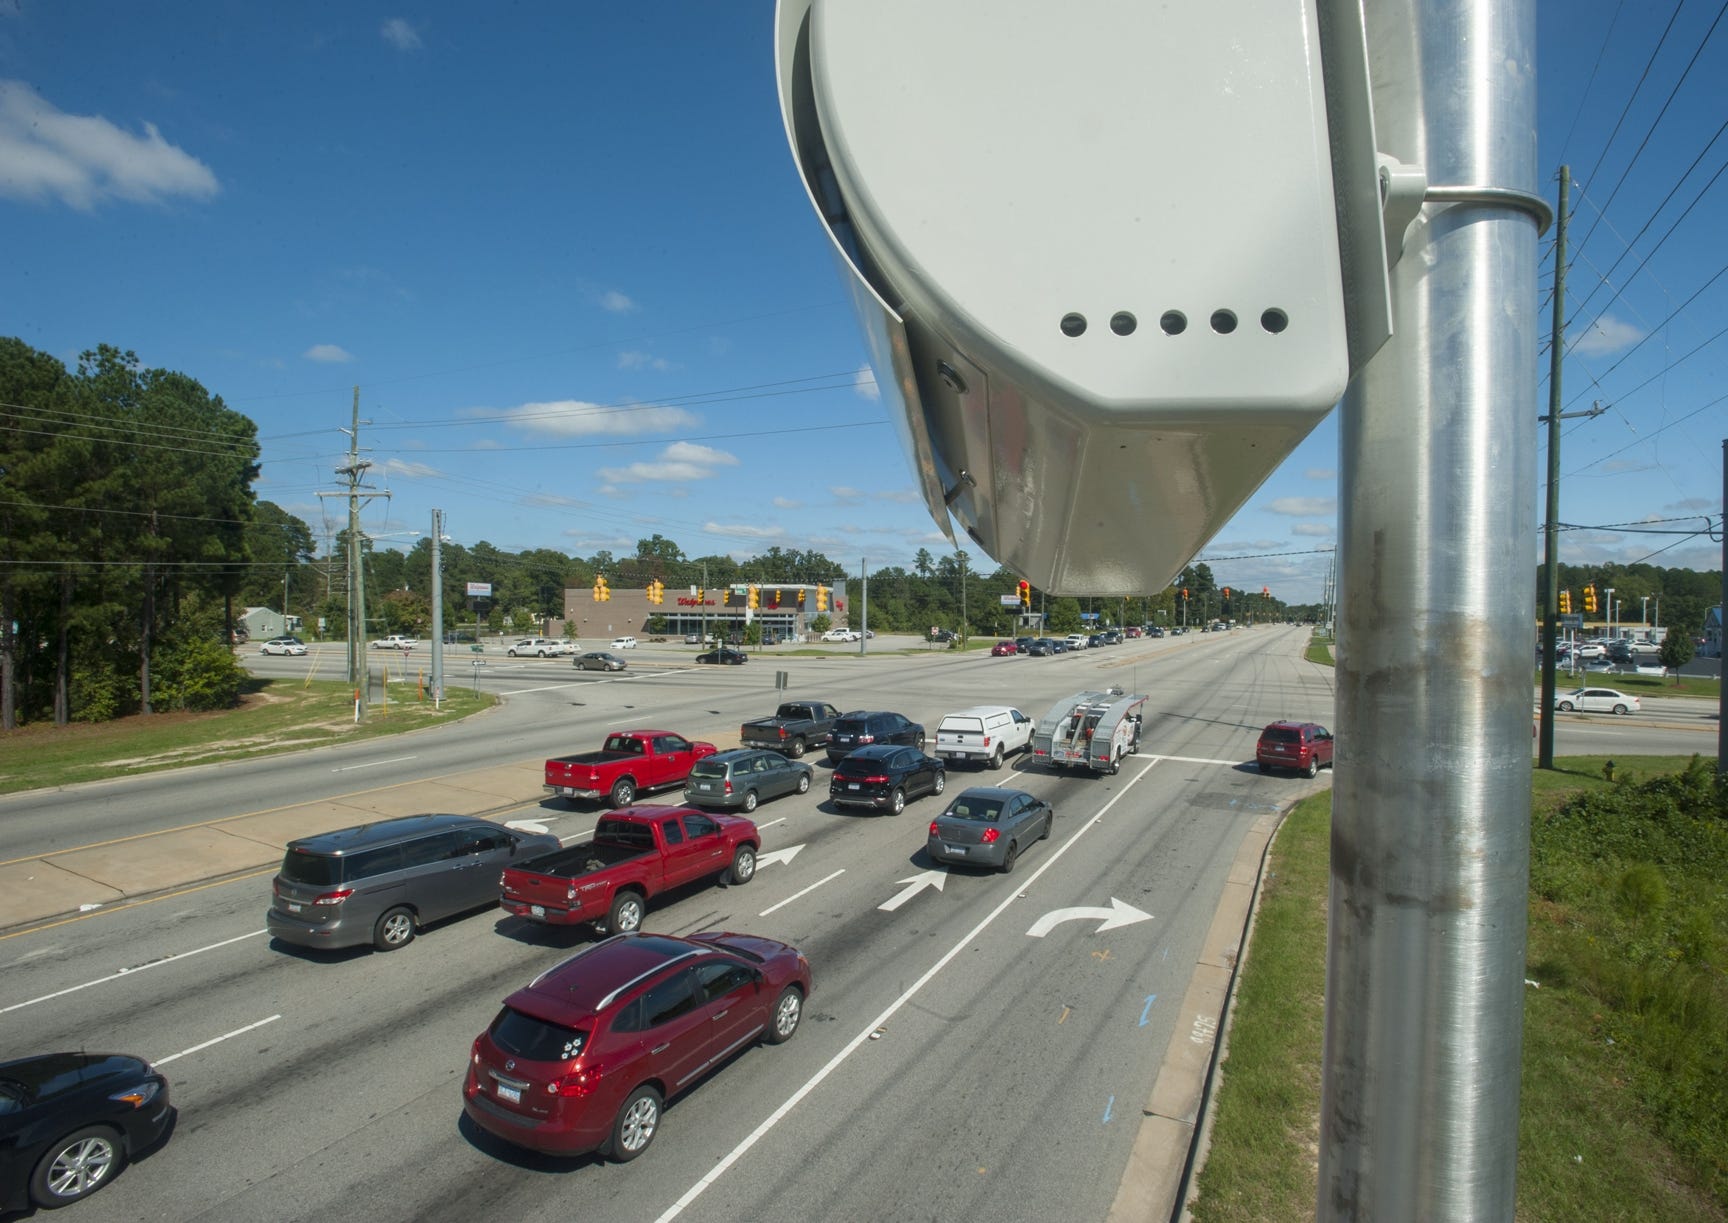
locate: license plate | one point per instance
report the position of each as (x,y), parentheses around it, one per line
(954,849)
(851,785)
(509,1093)
(537,911)
(293,908)
(705,786)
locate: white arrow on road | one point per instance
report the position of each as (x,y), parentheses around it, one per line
(919,882)
(779,855)
(527,825)
(1118,914)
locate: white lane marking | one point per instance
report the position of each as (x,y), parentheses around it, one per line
(756,1135)
(567,842)
(349,768)
(174,1057)
(128,972)
(918,882)
(1181,759)
(770,823)
(1118,914)
(528,825)
(543,688)
(806,891)
(779,855)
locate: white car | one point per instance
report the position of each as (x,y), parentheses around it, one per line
(395,641)
(841,634)
(1597,700)
(623,643)
(283,645)
(539,647)
(1078,641)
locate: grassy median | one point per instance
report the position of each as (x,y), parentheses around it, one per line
(275,715)
(1624,1102)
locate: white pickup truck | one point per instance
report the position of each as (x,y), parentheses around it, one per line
(395,641)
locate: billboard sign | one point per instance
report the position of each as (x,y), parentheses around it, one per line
(479,590)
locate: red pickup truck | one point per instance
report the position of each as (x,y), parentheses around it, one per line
(634,855)
(631,762)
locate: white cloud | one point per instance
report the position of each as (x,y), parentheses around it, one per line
(900,496)
(786,503)
(1315,530)
(1321,473)
(690,452)
(408,470)
(1693,503)
(744,530)
(81,160)
(575,418)
(616,302)
(399,34)
(866,384)
(328,354)
(643,360)
(678,463)
(1302,507)
(1606,335)
(1615,467)
(549,499)
(846,496)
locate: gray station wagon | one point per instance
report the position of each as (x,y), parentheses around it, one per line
(742,778)
(380,883)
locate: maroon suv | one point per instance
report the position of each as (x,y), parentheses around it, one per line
(1303,747)
(585,1056)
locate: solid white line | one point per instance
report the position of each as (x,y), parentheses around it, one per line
(770,823)
(544,688)
(815,1080)
(349,768)
(1182,759)
(796,895)
(174,1057)
(128,972)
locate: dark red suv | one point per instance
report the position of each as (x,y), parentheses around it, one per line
(1303,747)
(585,1056)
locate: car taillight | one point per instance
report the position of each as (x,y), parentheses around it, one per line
(334,898)
(569,893)
(782,732)
(582,1083)
(728,785)
(877,779)
(866,738)
(990,835)
(933,831)
(986,740)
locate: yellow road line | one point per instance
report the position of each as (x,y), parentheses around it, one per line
(106,909)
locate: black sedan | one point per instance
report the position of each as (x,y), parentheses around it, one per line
(884,776)
(725,655)
(70,1121)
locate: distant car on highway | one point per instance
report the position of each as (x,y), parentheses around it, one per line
(598,660)
(841,634)
(1597,700)
(539,647)
(989,826)
(724,655)
(395,641)
(289,646)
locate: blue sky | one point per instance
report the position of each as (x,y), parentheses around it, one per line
(563,251)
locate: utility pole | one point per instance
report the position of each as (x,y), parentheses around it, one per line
(864,605)
(355,473)
(437,611)
(1551,529)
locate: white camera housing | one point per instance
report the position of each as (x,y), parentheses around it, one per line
(1095,251)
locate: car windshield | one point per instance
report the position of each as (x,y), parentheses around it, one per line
(989,810)
(525,1036)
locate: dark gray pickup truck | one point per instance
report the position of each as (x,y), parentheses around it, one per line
(794,728)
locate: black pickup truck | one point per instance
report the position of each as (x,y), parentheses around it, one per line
(795,726)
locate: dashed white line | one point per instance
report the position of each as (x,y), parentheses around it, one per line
(804,892)
(770,823)
(1182,759)
(174,1057)
(129,972)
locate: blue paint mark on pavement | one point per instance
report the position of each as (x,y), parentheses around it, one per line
(1107,1108)
(1150,999)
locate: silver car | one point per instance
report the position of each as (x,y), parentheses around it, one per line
(744,777)
(598,660)
(989,826)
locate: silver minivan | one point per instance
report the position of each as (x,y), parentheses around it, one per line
(381,883)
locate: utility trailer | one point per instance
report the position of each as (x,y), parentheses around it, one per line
(1090,730)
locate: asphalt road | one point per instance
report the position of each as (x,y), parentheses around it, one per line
(950,1063)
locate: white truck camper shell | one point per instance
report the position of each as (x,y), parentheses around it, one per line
(1090,730)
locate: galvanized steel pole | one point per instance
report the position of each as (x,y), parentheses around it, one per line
(1431,803)
(1551,523)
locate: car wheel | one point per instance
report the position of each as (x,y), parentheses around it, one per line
(920,744)
(804,783)
(996,757)
(750,801)
(898,802)
(797,749)
(512,653)
(744,862)
(394,929)
(1313,769)
(1115,765)
(623,792)
(941,782)
(1010,858)
(638,1118)
(625,915)
(1565,706)
(788,1010)
(1621,709)
(75,1167)
(1049,825)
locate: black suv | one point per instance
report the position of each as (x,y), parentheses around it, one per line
(861,728)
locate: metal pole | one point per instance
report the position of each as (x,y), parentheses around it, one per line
(437,611)
(1431,801)
(863,604)
(1551,527)
(1721,634)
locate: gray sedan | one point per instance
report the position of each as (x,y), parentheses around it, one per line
(989,826)
(741,778)
(598,660)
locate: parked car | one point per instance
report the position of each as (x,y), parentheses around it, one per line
(1597,700)
(989,826)
(539,647)
(1303,747)
(289,646)
(381,883)
(585,1057)
(725,656)
(598,660)
(861,728)
(1004,649)
(841,634)
(623,643)
(694,639)
(884,776)
(70,1121)
(984,734)
(742,778)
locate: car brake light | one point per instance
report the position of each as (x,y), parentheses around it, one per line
(986,740)
(933,831)
(782,732)
(728,785)
(866,738)
(334,898)
(582,1083)
(990,835)
(875,780)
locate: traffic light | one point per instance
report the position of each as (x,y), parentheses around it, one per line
(1026,595)
(1184,594)
(1590,598)
(1265,593)
(1226,593)
(701,597)
(1565,602)
(755,597)
(821,598)
(601,592)
(659,589)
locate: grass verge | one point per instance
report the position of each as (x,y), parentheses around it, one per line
(1639,685)
(1320,651)
(275,715)
(1624,1101)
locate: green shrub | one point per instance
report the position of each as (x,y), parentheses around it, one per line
(197,675)
(1642,890)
